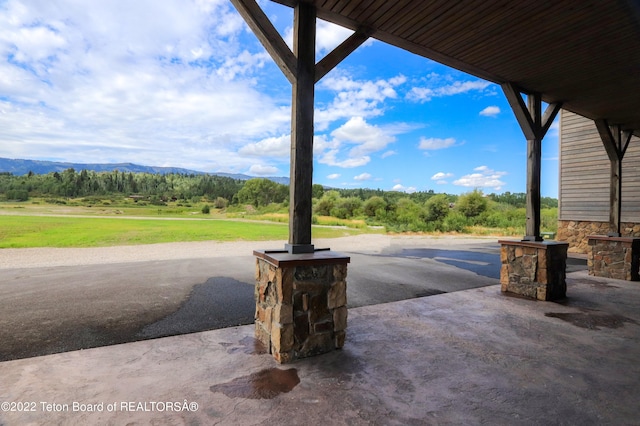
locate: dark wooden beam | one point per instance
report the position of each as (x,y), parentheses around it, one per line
(301,173)
(302,71)
(534,168)
(615,141)
(534,125)
(550,114)
(520,110)
(338,54)
(268,36)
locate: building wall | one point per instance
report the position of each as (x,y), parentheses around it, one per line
(584,183)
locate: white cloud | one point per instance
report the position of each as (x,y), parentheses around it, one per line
(355,140)
(490,111)
(330,158)
(333,176)
(241,64)
(362,176)
(425,94)
(366,137)
(354,98)
(124,84)
(441,178)
(388,154)
(271,147)
(441,175)
(329,36)
(435,143)
(402,188)
(485,178)
(262,170)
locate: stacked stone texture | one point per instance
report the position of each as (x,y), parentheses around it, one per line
(300,310)
(535,270)
(617,258)
(576,233)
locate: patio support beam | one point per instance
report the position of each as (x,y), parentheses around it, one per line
(534,125)
(337,55)
(268,36)
(301,172)
(615,141)
(302,71)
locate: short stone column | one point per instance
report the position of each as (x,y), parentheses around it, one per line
(300,302)
(614,257)
(534,269)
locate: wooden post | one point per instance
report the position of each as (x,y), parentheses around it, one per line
(534,171)
(534,125)
(301,70)
(301,172)
(615,143)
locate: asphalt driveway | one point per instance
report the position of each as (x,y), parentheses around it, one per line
(52,309)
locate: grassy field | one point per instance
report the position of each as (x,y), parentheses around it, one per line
(45,231)
(110,222)
(40,224)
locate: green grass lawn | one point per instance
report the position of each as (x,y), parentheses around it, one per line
(19,231)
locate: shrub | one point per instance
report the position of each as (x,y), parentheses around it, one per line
(455,222)
(407,211)
(220,203)
(327,203)
(206,209)
(17,195)
(437,207)
(262,192)
(373,205)
(549,219)
(55,201)
(472,204)
(347,207)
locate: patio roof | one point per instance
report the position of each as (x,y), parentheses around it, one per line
(585,54)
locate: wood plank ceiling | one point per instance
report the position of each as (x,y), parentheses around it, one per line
(583,53)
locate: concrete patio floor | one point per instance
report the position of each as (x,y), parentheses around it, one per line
(469,357)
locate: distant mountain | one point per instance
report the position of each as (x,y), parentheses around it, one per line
(23,167)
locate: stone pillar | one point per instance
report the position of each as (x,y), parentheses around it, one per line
(300,302)
(614,257)
(534,269)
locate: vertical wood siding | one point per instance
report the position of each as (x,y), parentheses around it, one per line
(584,173)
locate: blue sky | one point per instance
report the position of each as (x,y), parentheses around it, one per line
(186,84)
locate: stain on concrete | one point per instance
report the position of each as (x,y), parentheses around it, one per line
(591,320)
(248,345)
(600,285)
(265,384)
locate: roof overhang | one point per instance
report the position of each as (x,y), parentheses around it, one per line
(585,54)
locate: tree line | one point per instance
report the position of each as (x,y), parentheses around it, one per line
(398,211)
(72,184)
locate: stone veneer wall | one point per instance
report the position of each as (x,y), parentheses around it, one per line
(301,308)
(534,269)
(614,257)
(575,232)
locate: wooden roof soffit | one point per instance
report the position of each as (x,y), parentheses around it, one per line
(280,52)
(534,124)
